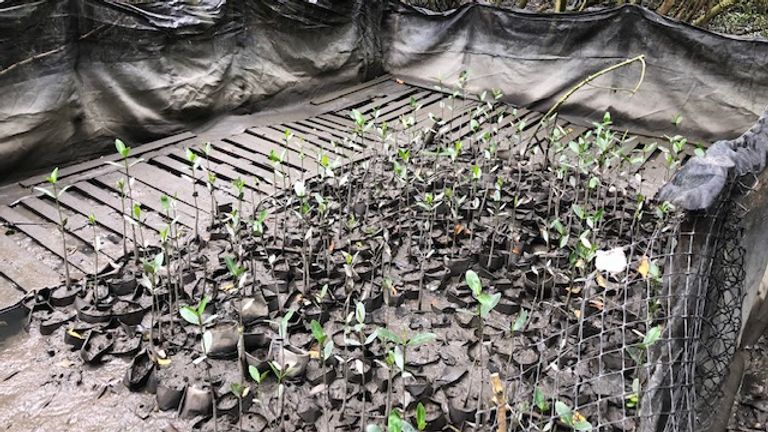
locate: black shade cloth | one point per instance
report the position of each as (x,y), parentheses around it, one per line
(75,74)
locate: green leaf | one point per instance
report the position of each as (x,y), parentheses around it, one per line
(394,422)
(540,401)
(255,374)
(388,335)
(487,303)
(422,338)
(232,266)
(652,336)
(202,305)
(189,315)
(121,148)
(522,318)
(54,177)
(207,341)
(45,191)
(360,312)
(399,358)
(582,425)
(579,211)
(474,282)
(421,417)
(159,259)
(328,349)
(300,189)
(318,332)
(564,412)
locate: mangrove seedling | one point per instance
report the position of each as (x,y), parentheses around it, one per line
(55,193)
(485,304)
(194,316)
(241,391)
(194,164)
(96,248)
(149,280)
(399,355)
(125,151)
(572,418)
(211,180)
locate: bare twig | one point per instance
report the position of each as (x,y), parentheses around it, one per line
(48,53)
(589,79)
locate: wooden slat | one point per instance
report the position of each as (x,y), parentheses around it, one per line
(252,148)
(309,148)
(96,163)
(349,90)
(24,269)
(261,145)
(48,237)
(76,226)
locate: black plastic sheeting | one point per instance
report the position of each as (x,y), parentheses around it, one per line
(74,74)
(718,84)
(697,185)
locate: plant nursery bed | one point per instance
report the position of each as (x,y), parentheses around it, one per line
(412,259)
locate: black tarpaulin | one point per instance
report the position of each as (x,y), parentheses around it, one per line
(76,74)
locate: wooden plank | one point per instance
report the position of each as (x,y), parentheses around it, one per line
(250,170)
(76,225)
(224,190)
(252,148)
(324,134)
(310,149)
(261,145)
(151,220)
(349,90)
(48,238)
(24,269)
(95,163)
(170,184)
(392,95)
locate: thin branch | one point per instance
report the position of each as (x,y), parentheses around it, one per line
(48,53)
(574,89)
(715,11)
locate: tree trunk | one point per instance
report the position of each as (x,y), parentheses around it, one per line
(716,10)
(665,7)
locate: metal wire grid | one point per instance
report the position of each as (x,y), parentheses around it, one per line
(591,363)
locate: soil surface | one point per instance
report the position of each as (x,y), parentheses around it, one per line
(351,295)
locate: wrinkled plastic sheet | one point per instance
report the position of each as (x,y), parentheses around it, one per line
(718,84)
(76,74)
(697,185)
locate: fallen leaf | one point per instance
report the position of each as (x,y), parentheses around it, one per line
(75,334)
(644,267)
(314,354)
(163,361)
(600,280)
(577,313)
(597,304)
(399,81)
(574,289)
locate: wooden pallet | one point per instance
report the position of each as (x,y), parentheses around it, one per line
(32,221)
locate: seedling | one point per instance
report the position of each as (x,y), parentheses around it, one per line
(194,164)
(486,303)
(571,418)
(55,193)
(125,151)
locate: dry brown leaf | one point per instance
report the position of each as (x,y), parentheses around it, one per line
(644,267)
(600,280)
(597,304)
(577,313)
(574,289)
